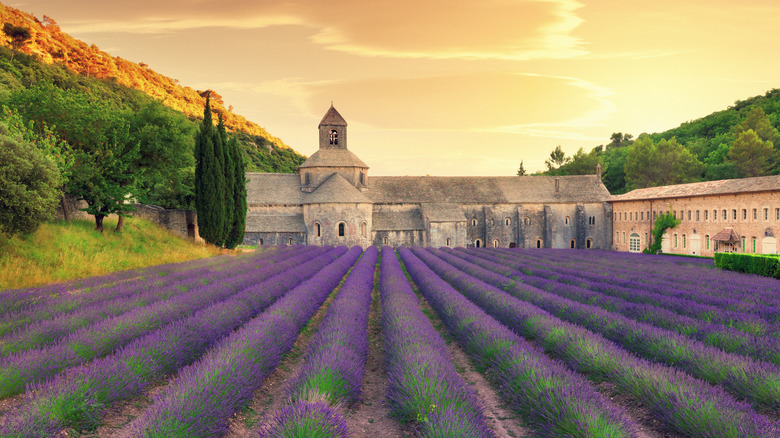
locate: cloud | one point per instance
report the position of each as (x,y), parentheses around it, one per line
(505,102)
(504,29)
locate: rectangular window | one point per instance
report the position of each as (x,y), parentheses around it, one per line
(744,214)
(734,214)
(714,215)
(706,215)
(743,243)
(646,242)
(624,237)
(707,241)
(675,241)
(755,214)
(617,236)
(754,245)
(777,214)
(697,216)
(726,217)
(685,241)
(689,214)
(766,214)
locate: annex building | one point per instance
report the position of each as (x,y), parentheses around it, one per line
(332,200)
(734,215)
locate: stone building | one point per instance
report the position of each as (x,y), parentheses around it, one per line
(333,201)
(737,215)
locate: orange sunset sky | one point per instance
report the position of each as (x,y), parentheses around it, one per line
(448,87)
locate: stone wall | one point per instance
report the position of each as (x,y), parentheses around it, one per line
(261,239)
(183,223)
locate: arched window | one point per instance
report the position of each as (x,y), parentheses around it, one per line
(527,220)
(538,243)
(572,243)
(318,229)
(474,222)
(448,241)
(495,244)
(507,221)
(289,241)
(589,243)
(341,229)
(334,137)
(492,222)
(478,243)
(363,228)
(363,178)
(384,241)
(566,221)
(634,243)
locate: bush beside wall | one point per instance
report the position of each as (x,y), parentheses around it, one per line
(766,265)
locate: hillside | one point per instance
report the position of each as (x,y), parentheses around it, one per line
(740,141)
(61,251)
(52,46)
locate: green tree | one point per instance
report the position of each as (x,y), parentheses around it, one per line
(662,223)
(29,184)
(557,159)
(582,163)
(521,170)
(751,155)
(209,181)
(18,36)
(238,218)
(649,164)
(759,122)
(228,177)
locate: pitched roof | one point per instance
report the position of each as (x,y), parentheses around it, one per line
(275,223)
(727,235)
(332,117)
(273,188)
(483,190)
(720,187)
(333,157)
(335,189)
(397,220)
(443,212)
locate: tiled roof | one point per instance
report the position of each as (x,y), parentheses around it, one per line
(397,221)
(332,117)
(727,235)
(273,188)
(335,189)
(275,223)
(333,157)
(720,187)
(443,212)
(483,190)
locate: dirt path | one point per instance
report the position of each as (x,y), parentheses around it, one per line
(272,395)
(370,417)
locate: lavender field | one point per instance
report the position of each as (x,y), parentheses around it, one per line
(334,342)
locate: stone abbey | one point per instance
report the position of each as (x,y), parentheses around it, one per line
(333,201)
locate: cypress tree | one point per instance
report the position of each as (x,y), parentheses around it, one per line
(209,181)
(238,223)
(229,179)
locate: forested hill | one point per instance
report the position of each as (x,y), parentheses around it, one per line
(48,44)
(740,141)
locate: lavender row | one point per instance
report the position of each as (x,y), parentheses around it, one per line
(688,405)
(755,380)
(101,339)
(553,400)
(78,397)
(424,387)
(729,339)
(206,394)
(47,331)
(652,271)
(751,317)
(48,307)
(334,363)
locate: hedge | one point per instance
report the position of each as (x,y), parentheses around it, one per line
(766,265)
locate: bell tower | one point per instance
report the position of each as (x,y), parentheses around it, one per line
(333,130)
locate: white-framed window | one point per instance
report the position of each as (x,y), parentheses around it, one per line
(495,244)
(474,222)
(634,244)
(527,220)
(478,243)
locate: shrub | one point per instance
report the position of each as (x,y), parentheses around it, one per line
(766,265)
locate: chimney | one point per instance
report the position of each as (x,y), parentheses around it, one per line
(598,171)
(557,185)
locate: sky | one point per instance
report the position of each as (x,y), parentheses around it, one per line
(447,87)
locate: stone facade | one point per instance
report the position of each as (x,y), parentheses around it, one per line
(744,212)
(332,201)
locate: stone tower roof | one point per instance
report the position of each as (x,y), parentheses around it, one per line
(337,190)
(332,118)
(332,157)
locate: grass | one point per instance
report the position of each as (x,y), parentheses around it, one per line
(61,251)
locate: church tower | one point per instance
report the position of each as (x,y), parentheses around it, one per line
(333,157)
